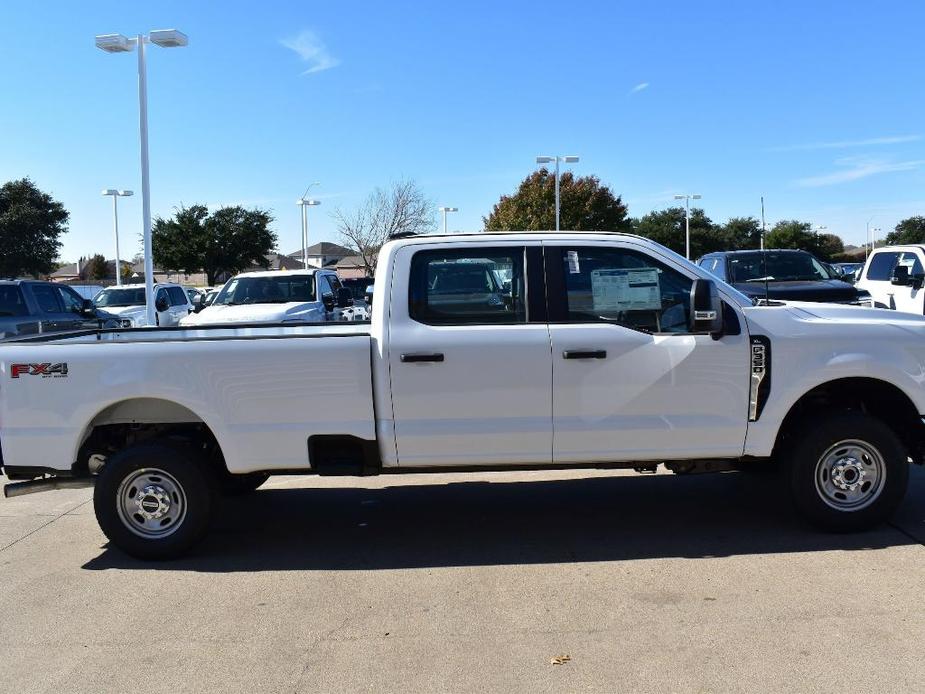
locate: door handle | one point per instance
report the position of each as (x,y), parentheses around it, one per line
(584,354)
(416,358)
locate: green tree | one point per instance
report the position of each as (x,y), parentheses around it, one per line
(584,205)
(30,223)
(910,230)
(229,240)
(741,233)
(790,233)
(668,228)
(793,233)
(828,246)
(96,268)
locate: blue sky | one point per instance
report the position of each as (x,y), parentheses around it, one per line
(817,106)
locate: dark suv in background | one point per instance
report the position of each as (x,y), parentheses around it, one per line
(788,275)
(30,307)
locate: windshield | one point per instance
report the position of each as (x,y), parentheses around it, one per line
(267,290)
(775,267)
(129,296)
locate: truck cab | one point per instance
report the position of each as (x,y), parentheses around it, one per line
(894,276)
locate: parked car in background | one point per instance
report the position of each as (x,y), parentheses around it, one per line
(127,303)
(850,272)
(211,293)
(276,296)
(783,275)
(196,297)
(894,276)
(33,306)
(87,291)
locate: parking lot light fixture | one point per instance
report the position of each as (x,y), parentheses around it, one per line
(569,159)
(444,210)
(117,43)
(687,197)
(116,194)
(304,203)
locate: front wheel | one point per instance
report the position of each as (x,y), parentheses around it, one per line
(847,472)
(153,501)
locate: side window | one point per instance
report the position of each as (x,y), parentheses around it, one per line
(475,286)
(911,260)
(881,265)
(177,296)
(617,285)
(71,300)
(11,301)
(47,298)
(335,283)
(324,286)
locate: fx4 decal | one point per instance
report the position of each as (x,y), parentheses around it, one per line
(43,370)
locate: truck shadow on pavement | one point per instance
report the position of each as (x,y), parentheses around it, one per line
(475,523)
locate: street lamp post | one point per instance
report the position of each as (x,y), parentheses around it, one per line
(117,43)
(116,194)
(557,159)
(305,203)
(687,220)
(444,210)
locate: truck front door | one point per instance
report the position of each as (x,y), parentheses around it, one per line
(469,356)
(630,382)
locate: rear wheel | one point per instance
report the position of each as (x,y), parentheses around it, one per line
(153,501)
(847,472)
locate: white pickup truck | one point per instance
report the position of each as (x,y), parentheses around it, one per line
(600,351)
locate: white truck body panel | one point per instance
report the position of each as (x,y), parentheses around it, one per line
(262,394)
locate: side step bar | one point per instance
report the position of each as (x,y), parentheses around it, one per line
(46,485)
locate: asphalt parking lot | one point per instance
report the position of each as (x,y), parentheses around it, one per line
(470,582)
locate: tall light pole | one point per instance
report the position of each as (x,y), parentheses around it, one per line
(305,203)
(444,210)
(557,159)
(873,238)
(687,197)
(116,194)
(117,43)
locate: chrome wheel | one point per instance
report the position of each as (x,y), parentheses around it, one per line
(151,503)
(850,475)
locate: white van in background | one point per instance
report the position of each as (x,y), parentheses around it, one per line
(894,276)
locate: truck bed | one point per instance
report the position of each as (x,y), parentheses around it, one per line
(262,390)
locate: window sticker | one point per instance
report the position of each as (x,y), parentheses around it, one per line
(573,267)
(626,290)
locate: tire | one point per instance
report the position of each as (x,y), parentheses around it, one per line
(237,485)
(846,472)
(153,500)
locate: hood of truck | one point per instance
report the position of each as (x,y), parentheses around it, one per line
(254,313)
(137,314)
(804,290)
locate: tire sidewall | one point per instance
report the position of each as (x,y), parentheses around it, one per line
(178,463)
(813,441)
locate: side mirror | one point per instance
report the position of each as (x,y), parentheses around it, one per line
(161,304)
(328,300)
(706,308)
(901,276)
(86,307)
(344,297)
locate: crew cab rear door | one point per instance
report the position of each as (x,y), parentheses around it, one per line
(469,356)
(630,382)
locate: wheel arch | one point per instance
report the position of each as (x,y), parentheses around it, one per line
(872,396)
(134,419)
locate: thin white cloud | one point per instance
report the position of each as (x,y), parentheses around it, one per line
(845,144)
(312,50)
(854,169)
(639,87)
